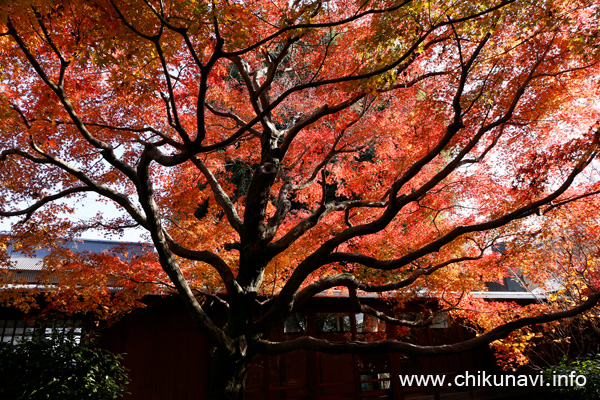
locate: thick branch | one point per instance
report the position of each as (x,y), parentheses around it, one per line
(17,152)
(28,212)
(396,346)
(222,198)
(314,117)
(435,245)
(252,87)
(239,121)
(107,149)
(168,261)
(356,17)
(353,283)
(284,204)
(171,98)
(311,221)
(105,191)
(210,258)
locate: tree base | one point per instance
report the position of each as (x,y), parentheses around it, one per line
(227,376)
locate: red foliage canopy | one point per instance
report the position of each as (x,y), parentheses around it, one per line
(290,147)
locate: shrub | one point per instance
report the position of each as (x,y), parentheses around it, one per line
(58,367)
(588,367)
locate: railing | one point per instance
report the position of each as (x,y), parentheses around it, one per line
(13,331)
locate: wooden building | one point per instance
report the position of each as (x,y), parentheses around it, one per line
(168,356)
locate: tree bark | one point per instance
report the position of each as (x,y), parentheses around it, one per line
(227,378)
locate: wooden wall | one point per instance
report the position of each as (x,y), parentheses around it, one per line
(165,353)
(167,357)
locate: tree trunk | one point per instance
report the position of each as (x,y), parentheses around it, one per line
(227,379)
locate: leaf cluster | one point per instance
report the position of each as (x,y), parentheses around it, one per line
(59,367)
(588,367)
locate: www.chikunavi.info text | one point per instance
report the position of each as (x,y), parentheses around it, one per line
(485,379)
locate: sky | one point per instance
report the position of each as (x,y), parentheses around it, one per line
(86,209)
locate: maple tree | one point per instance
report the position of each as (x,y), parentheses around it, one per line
(273,150)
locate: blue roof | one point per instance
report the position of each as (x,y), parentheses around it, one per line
(33,262)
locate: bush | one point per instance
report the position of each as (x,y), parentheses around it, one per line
(59,368)
(588,367)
